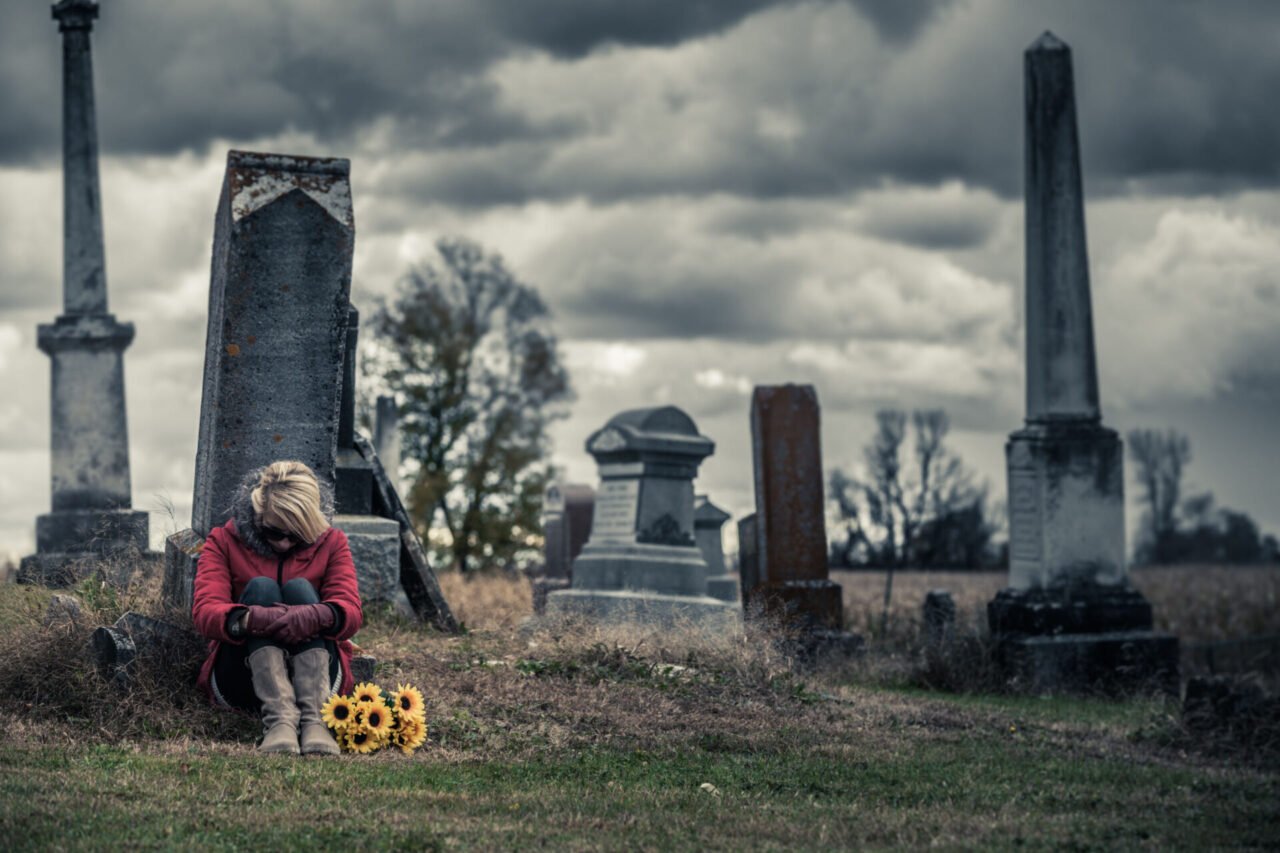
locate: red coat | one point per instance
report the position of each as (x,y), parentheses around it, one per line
(227,565)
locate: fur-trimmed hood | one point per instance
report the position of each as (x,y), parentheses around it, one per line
(241,511)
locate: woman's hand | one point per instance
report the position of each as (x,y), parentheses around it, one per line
(261,621)
(301,622)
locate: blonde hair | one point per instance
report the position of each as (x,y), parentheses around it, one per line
(288,490)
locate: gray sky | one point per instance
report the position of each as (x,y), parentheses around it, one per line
(709,195)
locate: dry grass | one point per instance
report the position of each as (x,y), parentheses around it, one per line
(488,601)
(1198,603)
(595,728)
(512,688)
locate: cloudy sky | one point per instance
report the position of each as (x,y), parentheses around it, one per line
(709,195)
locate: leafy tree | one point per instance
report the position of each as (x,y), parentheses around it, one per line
(467,350)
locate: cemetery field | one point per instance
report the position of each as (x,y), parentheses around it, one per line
(580,738)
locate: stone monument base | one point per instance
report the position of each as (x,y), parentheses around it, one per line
(723,587)
(1085,608)
(1109,663)
(1083,638)
(73,543)
(375,549)
(647,608)
(57,569)
(817,604)
(666,569)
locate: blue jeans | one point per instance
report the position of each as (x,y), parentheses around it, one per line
(231,677)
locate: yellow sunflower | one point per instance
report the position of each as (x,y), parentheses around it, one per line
(338,713)
(411,734)
(360,741)
(407,701)
(376,718)
(367,692)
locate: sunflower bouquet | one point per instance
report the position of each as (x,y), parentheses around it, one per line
(368,719)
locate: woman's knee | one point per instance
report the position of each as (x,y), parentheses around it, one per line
(261,591)
(299,591)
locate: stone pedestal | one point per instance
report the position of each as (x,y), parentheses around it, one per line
(1070,620)
(641,561)
(375,549)
(790,527)
(1066,505)
(278,299)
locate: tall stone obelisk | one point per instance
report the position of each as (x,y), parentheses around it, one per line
(91,512)
(1070,617)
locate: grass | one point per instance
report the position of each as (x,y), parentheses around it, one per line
(986,785)
(575,737)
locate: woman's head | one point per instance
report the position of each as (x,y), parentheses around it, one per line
(286,505)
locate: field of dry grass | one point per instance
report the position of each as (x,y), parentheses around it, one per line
(581,737)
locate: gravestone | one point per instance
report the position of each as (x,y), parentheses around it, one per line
(277,332)
(386,436)
(640,561)
(939,616)
(748,558)
(708,519)
(416,577)
(374,540)
(566,521)
(1070,618)
(91,514)
(791,538)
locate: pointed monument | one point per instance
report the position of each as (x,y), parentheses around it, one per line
(1070,618)
(92,511)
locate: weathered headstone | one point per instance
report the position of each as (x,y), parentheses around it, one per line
(1070,618)
(374,540)
(791,537)
(939,616)
(708,519)
(566,520)
(641,561)
(386,436)
(92,511)
(278,301)
(748,557)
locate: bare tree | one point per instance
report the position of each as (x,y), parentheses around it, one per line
(883,515)
(1159,459)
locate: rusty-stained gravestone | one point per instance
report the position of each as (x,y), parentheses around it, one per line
(791,537)
(278,300)
(1070,618)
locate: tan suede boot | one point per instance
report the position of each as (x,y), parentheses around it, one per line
(279,708)
(311,684)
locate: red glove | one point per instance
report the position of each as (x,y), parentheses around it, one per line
(260,622)
(302,622)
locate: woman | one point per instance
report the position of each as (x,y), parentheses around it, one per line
(275,586)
